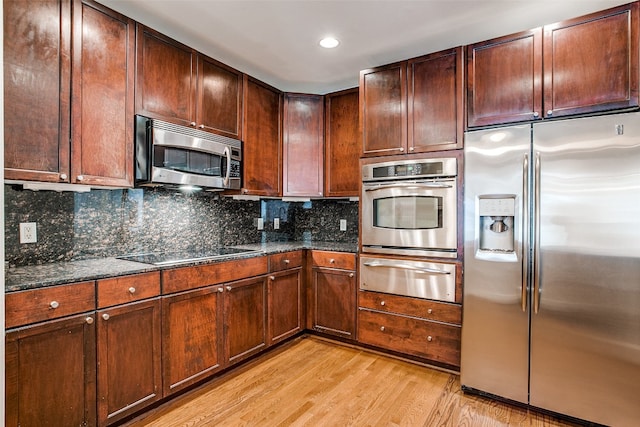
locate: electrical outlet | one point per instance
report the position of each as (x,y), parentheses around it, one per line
(276,223)
(260,224)
(343,225)
(28,232)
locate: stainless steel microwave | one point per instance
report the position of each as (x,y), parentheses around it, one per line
(173,155)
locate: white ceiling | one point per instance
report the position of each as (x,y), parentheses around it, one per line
(277,40)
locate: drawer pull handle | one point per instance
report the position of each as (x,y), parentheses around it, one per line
(286,261)
(105,316)
(54,304)
(132,290)
(89,320)
(429,338)
(272,278)
(332,261)
(382,303)
(382,328)
(350,274)
(430,311)
(229,288)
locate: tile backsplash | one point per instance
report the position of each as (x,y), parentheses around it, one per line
(116,222)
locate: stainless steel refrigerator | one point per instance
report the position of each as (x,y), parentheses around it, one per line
(551,310)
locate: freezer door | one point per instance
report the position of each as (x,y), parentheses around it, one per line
(495,330)
(585,345)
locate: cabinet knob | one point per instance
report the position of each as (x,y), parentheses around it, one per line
(332,261)
(286,261)
(193,124)
(401,149)
(272,278)
(63,176)
(350,274)
(89,320)
(229,288)
(536,114)
(549,112)
(54,304)
(429,338)
(382,303)
(220,289)
(412,148)
(430,311)
(80,177)
(201,126)
(382,328)
(132,290)
(105,316)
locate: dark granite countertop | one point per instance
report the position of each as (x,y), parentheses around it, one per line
(38,276)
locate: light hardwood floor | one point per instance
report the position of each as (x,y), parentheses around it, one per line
(314,382)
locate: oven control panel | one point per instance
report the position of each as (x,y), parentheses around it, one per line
(426,168)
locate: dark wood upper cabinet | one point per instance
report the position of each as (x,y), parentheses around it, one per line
(436,101)
(504,79)
(179,85)
(102,105)
(262,133)
(303,145)
(342,147)
(383,109)
(37,89)
(591,63)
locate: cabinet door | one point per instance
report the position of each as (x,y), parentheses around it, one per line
(165,78)
(436,101)
(383,109)
(219,99)
(504,79)
(37,89)
(129,375)
(591,62)
(102,111)
(342,148)
(245,318)
(285,305)
(334,302)
(262,150)
(303,145)
(191,337)
(51,374)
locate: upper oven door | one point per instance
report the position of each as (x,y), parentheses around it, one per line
(416,217)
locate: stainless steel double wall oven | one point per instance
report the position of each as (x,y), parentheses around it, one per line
(409,208)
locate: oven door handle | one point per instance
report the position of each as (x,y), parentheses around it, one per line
(407,267)
(408,185)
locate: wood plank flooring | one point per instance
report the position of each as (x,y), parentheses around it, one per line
(314,382)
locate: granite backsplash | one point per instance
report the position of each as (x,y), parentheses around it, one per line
(100,223)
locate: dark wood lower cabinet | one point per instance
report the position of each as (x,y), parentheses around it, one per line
(191,337)
(129,374)
(334,302)
(51,374)
(245,318)
(285,304)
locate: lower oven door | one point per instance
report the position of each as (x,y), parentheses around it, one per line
(430,280)
(410,217)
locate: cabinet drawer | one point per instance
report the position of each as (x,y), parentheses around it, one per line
(121,290)
(284,261)
(36,305)
(434,341)
(185,278)
(341,260)
(415,307)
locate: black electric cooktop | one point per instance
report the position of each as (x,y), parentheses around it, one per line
(169,258)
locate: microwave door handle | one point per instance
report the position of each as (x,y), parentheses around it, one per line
(227,153)
(408,267)
(405,185)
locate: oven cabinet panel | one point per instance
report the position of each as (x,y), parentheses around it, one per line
(51,373)
(191,337)
(435,341)
(333,293)
(245,318)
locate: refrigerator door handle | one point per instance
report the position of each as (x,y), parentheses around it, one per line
(525,230)
(536,232)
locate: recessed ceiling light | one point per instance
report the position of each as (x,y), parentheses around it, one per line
(329,42)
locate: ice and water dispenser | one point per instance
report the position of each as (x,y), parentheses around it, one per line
(496,223)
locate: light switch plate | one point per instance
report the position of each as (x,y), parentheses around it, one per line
(343,225)
(260,224)
(276,223)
